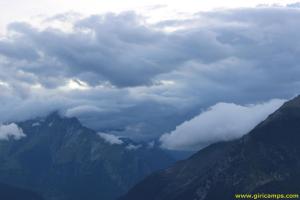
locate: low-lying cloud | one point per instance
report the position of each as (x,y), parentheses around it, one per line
(111,139)
(11,131)
(221,122)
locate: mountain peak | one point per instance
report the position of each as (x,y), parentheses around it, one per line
(57,116)
(58,154)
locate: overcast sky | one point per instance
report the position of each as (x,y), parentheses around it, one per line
(15,10)
(150,70)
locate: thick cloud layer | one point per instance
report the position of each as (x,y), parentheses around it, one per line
(12,131)
(221,122)
(121,75)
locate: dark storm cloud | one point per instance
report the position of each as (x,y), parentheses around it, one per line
(115,48)
(122,75)
(17,50)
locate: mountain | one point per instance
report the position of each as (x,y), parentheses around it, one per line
(63,160)
(266,160)
(13,193)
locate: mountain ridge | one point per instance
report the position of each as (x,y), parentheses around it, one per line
(63,160)
(261,160)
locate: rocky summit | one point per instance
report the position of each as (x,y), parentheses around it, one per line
(60,159)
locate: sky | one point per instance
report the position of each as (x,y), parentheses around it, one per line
(185,74)
(15,10)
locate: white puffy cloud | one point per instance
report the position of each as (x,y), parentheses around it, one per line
(12,130)
(111,139)
(221,122)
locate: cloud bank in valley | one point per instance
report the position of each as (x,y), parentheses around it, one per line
(121,75)
(221,122)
